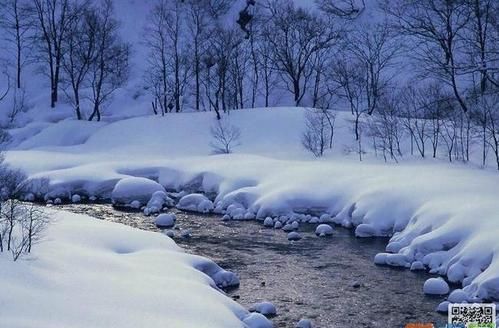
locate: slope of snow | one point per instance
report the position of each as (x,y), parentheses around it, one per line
(443,216)
(91,273)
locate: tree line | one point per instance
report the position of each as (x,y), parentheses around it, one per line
(426,69)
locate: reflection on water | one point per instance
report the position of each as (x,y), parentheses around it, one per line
(315,277)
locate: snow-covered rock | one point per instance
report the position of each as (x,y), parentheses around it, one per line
(135,204)
(293,236)
(29,197)
(268,222)
(457,296)
(57,201)
(257,320)
(436,286)
(288,227)
(365,230)
(265,308)
(278,225)
(380,258)
(187,233)
(325,218)
(76,198)
(324,230)
(304,323)
(165,220)
(398,260)
(417,265)
(158,201)
(170,233)
(295,225)
(132,189)
(443,307)
(195,203)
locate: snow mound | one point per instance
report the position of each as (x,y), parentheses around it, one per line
(165,220)
(265,308)
(158,201)
(324,230)
(457,296)
(195,203)
(436,286)
(294,236)
(76,198)
(257,320)
(132,189)
(268,222)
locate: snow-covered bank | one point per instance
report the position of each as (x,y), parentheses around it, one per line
(91,273)
(445,216)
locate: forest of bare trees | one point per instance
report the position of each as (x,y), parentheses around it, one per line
(426,71)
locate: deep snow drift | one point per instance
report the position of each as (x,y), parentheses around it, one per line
(444,217)
(92,273)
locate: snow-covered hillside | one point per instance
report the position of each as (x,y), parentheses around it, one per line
(442,215)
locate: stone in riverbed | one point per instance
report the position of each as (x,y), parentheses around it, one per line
(436,286)
(265,308)
(294,236)
(278,225)
(304,323)
(268,222)
(165,220)
(324,230)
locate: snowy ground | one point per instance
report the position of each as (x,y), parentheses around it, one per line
(442,215)
(91,273)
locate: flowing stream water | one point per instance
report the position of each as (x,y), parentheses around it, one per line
(315,278)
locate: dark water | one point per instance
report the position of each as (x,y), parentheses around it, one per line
(312,278)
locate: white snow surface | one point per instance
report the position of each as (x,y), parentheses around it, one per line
(91,273)
(445,216)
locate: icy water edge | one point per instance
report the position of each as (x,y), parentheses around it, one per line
(315,277)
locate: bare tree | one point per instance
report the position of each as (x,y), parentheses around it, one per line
(319,131)
(16,21)
(296,35)
(348,9)
(109,69)
(54,20)
(80,47)
(225,136)
(436,25)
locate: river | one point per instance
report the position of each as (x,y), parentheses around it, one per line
(316,278)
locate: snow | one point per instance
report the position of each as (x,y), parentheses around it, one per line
(136,189)
(268,222)
(75,198)
(195,203)
(324,230)
(426,207)
(457,296)
(93,273)
(165,220)
(157,202)
(436,286)
(265,308)
(294,236)
(257,320)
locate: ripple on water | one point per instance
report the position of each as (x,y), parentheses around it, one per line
(312,278)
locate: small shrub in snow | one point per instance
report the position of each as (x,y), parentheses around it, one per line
(165,220)
(319,132)
(265,308)
(304,323)
(324,230)
(225,136)
(293,235)
(436,286)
